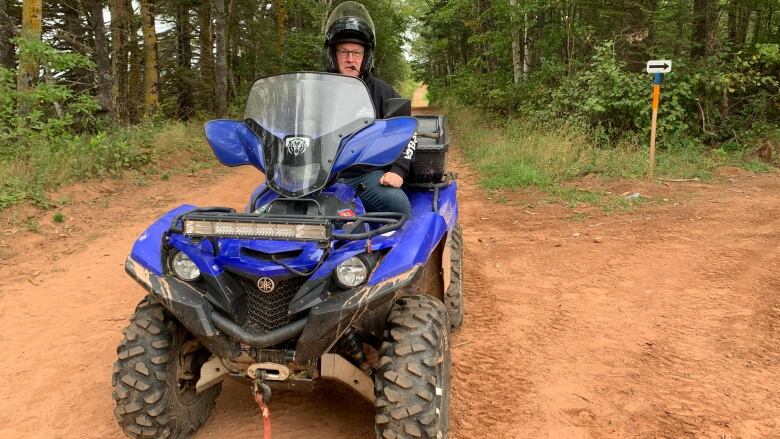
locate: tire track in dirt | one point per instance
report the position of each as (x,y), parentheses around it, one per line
(668,327)
(483,366)
(629,342)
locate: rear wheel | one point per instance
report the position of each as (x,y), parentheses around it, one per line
(412,384)
(453,297)
(154,377)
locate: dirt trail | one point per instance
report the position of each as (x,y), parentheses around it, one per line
(666,327)
(420,98)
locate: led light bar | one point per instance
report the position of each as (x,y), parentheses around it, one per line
(254,229)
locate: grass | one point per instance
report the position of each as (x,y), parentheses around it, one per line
(516,153)
(146,151)
(757,166)
(32,225)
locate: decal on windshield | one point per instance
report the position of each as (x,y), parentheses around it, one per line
(297,145)
(364,112)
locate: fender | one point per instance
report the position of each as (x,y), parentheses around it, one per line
(147,249)
(400,268)
(329,320)
(234,144)
(379,144)
(416,241)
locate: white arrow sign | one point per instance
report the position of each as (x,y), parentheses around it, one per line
(659,66)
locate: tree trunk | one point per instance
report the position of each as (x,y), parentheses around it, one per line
(541,21)
(206,38)
(119,59)
(135,81)
(232,33)
(517,63)
(704,25)
(151,70)
(73,34)
(72,30)
(101,57)
(526,47)
(280,15)
(738,21)
(732,20)
(28,64)
(184,99)
(569,43)
(220,66)
(680,38)
(650,19)
(7,31)
(762,22)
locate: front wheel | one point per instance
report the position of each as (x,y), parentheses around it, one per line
(154,377)
(412,384)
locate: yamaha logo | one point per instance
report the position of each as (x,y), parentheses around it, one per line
(297,145)
(265,284)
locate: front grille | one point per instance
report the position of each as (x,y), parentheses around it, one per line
(268,311)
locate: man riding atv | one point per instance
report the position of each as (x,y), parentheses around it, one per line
(350,41)
(305,284)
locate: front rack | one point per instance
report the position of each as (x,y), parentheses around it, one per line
(222,222)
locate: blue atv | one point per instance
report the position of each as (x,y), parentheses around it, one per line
(304,285)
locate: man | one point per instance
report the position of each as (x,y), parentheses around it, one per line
(349,42)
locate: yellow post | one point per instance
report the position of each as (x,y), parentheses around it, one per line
(656,99)
(28,64)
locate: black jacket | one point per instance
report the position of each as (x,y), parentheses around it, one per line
(381,91)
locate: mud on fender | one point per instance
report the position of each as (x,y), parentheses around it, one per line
(328,320)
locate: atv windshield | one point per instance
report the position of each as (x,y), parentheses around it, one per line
(301,119)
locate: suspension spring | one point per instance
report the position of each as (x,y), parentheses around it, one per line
(354,348)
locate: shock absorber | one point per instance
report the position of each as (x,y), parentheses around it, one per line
(354,348)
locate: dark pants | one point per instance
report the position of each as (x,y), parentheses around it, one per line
(378,198)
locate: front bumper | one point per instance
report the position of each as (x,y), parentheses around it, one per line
(319,331)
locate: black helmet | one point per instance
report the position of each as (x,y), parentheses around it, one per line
(350,22)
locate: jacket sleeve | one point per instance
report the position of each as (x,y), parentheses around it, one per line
(404,161)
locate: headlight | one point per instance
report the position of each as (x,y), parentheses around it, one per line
(351,273)
(184,268)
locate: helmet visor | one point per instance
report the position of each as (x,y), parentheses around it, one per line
(351,9)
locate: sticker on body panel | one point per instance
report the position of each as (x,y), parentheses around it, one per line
(410,147)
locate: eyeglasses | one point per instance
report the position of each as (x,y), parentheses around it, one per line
(344,54)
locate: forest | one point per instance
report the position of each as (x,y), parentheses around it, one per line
(584,59)
(87,85)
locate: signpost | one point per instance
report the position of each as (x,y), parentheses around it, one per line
(662,66)
(657,68)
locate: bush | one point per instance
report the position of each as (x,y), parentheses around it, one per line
(731,100)
(57,138)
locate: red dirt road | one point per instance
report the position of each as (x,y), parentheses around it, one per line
(667,327)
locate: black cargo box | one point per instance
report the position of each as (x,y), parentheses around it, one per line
(430,159)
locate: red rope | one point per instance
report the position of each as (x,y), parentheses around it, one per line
(266,415)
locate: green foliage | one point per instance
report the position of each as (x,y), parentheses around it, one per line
(58,217)
(54,110)
(390,24)
(516,153)
(407,88)
(28,174)
(58,139)
(586,63)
